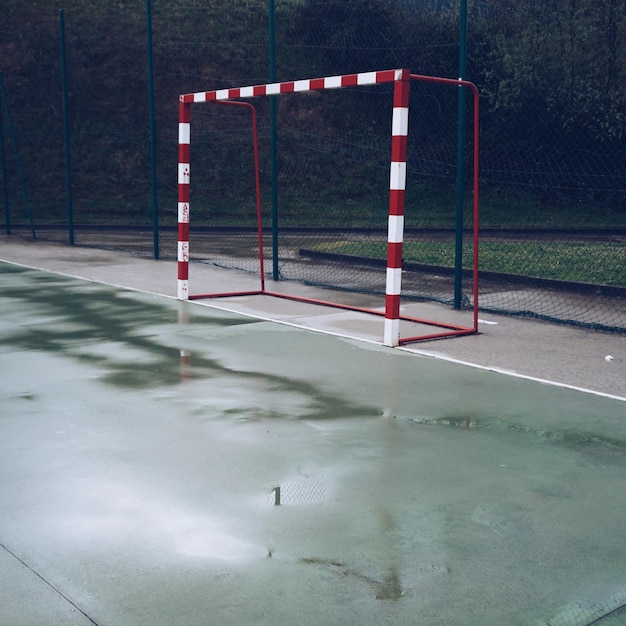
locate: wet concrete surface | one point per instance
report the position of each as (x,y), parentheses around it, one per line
(560,354)
(142,442)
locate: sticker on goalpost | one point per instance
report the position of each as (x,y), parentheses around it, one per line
(183,212)
(183,251)
(183,173)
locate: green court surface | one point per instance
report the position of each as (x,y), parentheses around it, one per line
(164,462)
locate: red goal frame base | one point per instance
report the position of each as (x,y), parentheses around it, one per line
(401,79)
(451,330)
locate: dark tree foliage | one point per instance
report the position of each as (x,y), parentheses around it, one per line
(555,65)
(551,72)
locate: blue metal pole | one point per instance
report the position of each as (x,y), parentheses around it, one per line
(5,179)
(273,141)
(153,165)
(66,133)
(18,161)
(460,150)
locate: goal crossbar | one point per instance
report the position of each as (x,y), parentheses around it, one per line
(397,182)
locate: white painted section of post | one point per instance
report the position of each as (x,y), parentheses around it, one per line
(302,85)
(367,78)
(395,229)
(394,281)
(391,333)
(400,122)
(397,175)
(332,82)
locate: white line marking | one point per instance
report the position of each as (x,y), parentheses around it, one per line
(424,353)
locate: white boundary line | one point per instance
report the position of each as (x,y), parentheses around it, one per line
(507,372)
(423,353)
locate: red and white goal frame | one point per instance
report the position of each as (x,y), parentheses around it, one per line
(401,79)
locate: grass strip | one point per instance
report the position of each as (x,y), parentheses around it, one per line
(602,263)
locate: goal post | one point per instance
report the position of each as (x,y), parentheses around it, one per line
(401,80)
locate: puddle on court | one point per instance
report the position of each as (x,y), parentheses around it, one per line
(143,451)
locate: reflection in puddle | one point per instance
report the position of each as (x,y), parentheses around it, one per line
(110,510)
(151,440)
(197,537)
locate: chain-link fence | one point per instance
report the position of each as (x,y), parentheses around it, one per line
(553,162)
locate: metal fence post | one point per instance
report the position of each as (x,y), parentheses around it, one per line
(66,132)
(5,180)
(17,156)
(153,167)
(273,140)
(460,158)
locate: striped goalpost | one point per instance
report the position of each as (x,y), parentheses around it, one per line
(401,79)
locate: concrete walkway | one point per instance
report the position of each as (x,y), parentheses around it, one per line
(559,354)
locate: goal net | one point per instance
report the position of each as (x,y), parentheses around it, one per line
(342,190)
